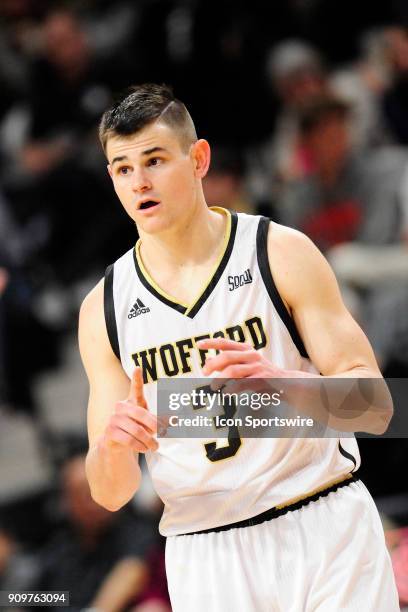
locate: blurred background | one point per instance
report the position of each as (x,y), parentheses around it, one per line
(305,103)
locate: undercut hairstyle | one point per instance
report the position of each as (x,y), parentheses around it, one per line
(142,105)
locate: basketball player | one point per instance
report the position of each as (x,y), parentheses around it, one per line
(259,525)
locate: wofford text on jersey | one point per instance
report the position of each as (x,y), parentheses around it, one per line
(173,358)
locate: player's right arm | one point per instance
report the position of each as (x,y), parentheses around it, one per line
(119,424)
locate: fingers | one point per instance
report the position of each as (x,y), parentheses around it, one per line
(162,425)
(132,425)
(230,358)
(123,423)
(223,344)
(136,394)
(125,431)
(138,414)
(232,353)
(231,373)
(117,437)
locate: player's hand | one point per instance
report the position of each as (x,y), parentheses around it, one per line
(239,360)
(131,425)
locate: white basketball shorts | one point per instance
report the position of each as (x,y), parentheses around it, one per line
(326,556)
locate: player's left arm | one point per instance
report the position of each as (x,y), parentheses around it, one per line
(335,343)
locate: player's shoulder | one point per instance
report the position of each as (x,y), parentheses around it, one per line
(92,304)
(297,266)
(94,343)
(289,243)
(92,325)
(284,235)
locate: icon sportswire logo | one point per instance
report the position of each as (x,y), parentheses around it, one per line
(239,280)
(137,309)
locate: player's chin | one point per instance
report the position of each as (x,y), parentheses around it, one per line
(152,225)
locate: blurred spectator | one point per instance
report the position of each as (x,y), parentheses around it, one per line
(296,75)
(59,164)
(4,275)
(295,70)
(98,556)
(110,25)
(361,84)
(22,9)
(15,307)
(17,316)
(15,245)
(155,597)
(16,565)
(66,70)
(18,22)
(352,201)
(396,98)
(346,195)
(224,183)
(399,557)
(7,547)
(3,279)
(53,174)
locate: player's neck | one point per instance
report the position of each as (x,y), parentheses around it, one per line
(194,241)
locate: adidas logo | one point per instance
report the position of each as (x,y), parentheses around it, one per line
(239,280)
(137,309)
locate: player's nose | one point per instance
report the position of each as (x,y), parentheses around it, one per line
(140,182)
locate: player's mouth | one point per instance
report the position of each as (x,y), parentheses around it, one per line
(147,204)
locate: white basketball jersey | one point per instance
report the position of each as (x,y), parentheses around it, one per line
(151,329)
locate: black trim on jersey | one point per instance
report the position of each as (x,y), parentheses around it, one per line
(212,284)
(348,455)
(159,296)
(218,273)
(263,263)
(276,512)
(109,309)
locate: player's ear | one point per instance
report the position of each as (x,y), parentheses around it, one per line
(201,155)
(109,167)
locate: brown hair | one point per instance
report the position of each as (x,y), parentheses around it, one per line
(143,104)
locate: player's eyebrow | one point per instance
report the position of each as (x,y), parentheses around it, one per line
(120,158)
(154,150)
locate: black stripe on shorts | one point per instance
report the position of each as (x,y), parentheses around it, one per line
(276,512)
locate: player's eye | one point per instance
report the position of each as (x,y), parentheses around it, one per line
(154,161)
(124,170)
